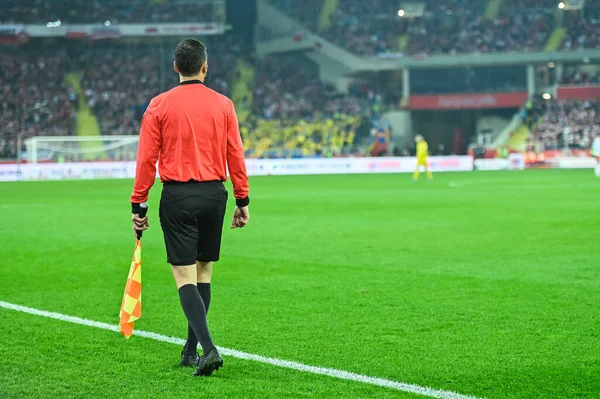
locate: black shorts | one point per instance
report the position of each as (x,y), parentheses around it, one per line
(191,217)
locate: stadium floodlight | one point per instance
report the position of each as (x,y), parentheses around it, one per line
(546,96)
(571,5)
(411,8)
(81,148)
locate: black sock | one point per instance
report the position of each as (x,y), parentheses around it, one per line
(194,310)
(204,290)
(191,345)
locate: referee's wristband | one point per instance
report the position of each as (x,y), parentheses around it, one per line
(135,208)
(240,203)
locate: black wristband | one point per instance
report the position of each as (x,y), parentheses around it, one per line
(240,203)
(135,208)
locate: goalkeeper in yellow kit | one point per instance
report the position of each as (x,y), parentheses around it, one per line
(422,153)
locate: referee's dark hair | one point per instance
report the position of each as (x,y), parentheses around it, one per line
(190,55)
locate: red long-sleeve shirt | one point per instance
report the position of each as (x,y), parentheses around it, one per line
(193,132)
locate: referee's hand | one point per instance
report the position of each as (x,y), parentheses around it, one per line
(139,224)
(241,216)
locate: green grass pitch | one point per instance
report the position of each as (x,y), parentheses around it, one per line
(483,283)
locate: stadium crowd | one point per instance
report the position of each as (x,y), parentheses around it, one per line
(583,31)
(99,11)
(42,95)
(367,28)
(372,27)
(581,77)
(119,99)
(295,114)
(290,138)
(292,113)
(475,34)
(282,90)
(572,124)
(34,100)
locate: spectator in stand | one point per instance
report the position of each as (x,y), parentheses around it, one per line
(381,142)
(581,77)
(120,99)
(583,31)
(34,100)
(568,124)
(115,11)
(469,33)
(295,139)
(595,151)
(307,12)
(368,28)
(295,114)
(301,116)
(282,90)
(372,27)
(519,6)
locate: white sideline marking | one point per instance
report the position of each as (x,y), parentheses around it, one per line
(459,183)
(344,375)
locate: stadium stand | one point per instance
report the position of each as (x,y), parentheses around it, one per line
(532,4)
(572,124)
(468,33)
(104,89)
(284,91)
(583,31)
(34,99)
(307,12)
(288,138)
(577,76)
(366,28)
(447,27)
(96,11)
(119,99)
(297,115)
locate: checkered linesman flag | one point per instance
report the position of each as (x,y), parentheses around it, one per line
(131,307)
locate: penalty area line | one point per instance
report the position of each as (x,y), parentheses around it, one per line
(335,373)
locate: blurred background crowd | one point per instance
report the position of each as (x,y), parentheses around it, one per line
(567,125)
(371,27)
(47,87)
(101,11)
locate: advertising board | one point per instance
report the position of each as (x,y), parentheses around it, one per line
(256,167)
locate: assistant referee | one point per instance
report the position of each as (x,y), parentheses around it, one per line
(192,131)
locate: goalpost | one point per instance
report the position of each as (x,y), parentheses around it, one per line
(62,149)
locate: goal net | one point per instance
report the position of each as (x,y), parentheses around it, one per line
(81,148)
